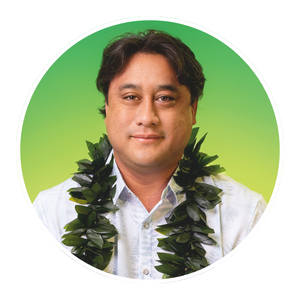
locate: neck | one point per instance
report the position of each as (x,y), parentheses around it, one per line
(147,186)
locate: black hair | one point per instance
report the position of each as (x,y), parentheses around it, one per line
(180,56)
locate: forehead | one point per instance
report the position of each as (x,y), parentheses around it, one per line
(148,69)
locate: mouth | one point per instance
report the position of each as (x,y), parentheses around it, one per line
(147,138)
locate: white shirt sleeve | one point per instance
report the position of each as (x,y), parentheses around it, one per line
(55,209)
(239,211)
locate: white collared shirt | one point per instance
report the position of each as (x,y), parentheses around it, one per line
(135,253)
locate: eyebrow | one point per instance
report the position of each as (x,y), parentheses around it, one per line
(170,87)
(129,86)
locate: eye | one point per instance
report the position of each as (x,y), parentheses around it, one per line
(131,98)
(165,99)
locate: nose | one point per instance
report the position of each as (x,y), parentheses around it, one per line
(147,114)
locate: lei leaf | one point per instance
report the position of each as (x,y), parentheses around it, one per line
(186,229)
(90,231)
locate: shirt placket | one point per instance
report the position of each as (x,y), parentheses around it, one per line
(145,248)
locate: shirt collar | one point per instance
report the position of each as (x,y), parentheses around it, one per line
(120,183)
(172,186)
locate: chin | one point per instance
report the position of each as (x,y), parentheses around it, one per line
(155,163)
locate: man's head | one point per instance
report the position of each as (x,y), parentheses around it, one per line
(119,51)
(151,84)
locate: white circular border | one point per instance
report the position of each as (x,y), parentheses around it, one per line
(18,168)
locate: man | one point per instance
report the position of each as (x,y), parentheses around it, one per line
(151,82)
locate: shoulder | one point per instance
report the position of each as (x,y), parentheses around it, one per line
(55,195)
(54,207)
(237,214)
(67,184)
(233,190)
(238,201)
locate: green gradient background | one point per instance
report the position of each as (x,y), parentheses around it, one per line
(235,110)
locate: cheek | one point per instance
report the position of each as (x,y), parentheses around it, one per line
(180,130)
(117,122)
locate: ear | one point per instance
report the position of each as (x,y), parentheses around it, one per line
(194,107)
(106,109)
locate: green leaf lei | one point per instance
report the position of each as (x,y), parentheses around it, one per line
(186,227)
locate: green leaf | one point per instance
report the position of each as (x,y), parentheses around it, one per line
(90,195)
(95,238)
(104,148)
(99,188)
(79,201)
(215,169)
(198,248)
(221,170)
(164,230)
(170,269)
(183,238)
(167,229)
(92,149)
(78,250)
(83,209)
(212,196)
(106,230)
(196,263)
(204,239)
(193,212)
(82,218)
(188,151)
(110,180)
(82,179)
(107,258)
(184,179)
(178,213)
(185,163)
(198,145)
(204,187)
(171,258)
(77,189)
(202,229)
(112,192)
(110,206)
(99,260)
(105,137)
(91,220)
(85,165)
(202,201)
(98,163)
(208,159)
(78,232)
(73,225)
(108,245)
(104,171)
(170,244)
(164,245)
(215,202)
(193,135)
(74,240)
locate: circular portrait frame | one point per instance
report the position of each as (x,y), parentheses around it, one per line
(235,93)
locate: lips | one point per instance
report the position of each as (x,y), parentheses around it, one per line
(147,138)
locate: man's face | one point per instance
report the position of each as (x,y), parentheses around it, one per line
(149,117)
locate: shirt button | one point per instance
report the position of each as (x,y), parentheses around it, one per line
(146,271)
(146,225)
